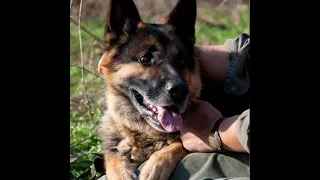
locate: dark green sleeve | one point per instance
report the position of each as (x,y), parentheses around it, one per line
(237,81)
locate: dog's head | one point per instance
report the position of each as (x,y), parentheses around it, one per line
(151,65)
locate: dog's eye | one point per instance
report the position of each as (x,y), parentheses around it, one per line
(145,59)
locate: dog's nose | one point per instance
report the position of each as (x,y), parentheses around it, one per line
(177,90)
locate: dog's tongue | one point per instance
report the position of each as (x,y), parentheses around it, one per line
(170,121)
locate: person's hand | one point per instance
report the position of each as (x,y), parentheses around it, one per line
(198,122)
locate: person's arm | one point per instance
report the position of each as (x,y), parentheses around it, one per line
(199,121)
(214,61)
(235,133)
(227,63)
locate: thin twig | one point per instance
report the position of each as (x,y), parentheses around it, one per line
(212,24)
(87,102)
(84,174)
(221,4)
(80,142)
(77,156)
(91,54)
(86,70)
(71,2)
(87,31)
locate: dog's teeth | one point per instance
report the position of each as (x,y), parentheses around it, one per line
(145,102)
(154,117)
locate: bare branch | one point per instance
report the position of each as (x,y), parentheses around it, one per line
(78,155)
(87,31)
(87,102)
(71,2)
(221,4)
(212,24)
(91,54)
(82,141)
(86,70)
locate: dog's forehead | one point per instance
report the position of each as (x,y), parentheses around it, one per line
(162,33)
(160,29)
(156,36)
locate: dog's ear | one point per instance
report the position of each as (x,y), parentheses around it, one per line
(121,15)
(183,18)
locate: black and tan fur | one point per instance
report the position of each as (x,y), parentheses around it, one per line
(128,140)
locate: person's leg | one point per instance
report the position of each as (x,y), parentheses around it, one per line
(236,178)
(212,166)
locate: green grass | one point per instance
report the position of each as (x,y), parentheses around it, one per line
(83,134)
(215,35)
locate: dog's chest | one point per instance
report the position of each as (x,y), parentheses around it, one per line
(139,147)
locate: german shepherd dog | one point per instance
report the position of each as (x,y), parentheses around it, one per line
(152,77)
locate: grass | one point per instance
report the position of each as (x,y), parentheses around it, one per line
(83,134)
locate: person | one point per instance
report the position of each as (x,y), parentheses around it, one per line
(228,64)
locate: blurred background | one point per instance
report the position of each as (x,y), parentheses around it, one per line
(217,20)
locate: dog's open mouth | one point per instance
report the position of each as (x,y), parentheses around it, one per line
(161,118)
